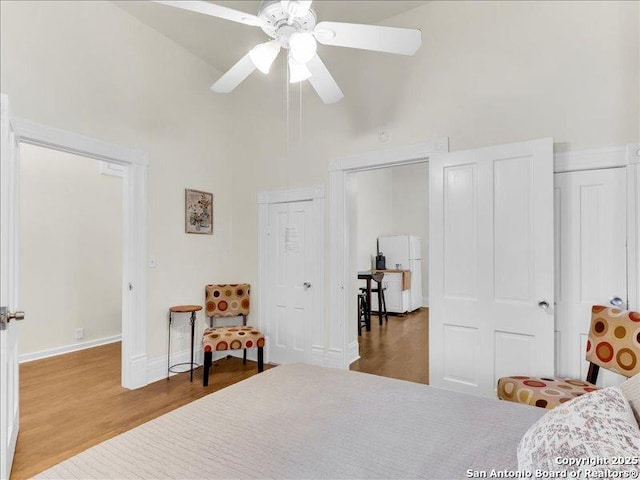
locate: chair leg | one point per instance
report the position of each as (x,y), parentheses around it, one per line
(207,365)
(592,374)
(260,359)
(367,315)
(244,354)
(384,306)
(361,315)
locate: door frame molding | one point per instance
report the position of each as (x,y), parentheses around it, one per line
(265,199)
(341,349)
(134,247)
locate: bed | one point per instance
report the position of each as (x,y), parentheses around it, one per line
(301,421)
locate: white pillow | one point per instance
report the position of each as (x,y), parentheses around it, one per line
(596,426)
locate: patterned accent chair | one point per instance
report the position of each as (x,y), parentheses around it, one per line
(614,344)
(227,301)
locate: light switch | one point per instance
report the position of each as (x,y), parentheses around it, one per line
(152,261)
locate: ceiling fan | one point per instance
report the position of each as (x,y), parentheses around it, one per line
(293,26)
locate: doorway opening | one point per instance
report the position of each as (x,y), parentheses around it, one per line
(70,252)
(391,232)
(133,166)
(341,330)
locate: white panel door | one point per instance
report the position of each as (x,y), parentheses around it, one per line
(291,256)
(491,260)
(9,391)
(591,260)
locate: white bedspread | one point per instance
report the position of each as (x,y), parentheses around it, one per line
(300,421)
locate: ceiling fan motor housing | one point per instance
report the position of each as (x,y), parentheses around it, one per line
(276,21)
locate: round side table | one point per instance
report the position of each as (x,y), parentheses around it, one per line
(192,309)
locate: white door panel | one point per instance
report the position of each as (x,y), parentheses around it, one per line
(9,391)
(591,259)
(291,250)
(491,260)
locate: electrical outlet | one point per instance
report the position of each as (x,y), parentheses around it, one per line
(79,333)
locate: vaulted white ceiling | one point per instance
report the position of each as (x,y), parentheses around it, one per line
(221,43)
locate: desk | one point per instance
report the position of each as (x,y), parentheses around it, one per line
(369,275)
(183,309)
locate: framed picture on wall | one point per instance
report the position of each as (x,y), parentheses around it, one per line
(198,212)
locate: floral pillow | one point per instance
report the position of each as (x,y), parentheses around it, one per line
(595,428)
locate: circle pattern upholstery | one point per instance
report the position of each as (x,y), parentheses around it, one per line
(614,344)
(614,340)
(231,338)
(227,300)
(542,392)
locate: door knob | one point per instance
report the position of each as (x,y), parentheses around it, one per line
(306,285)
(616,301)
(543,305)
(6,316)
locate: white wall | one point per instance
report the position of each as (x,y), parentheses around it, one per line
(375,212)
(91,68)
(411,210)
(487,73)
(393,201)
(70,252)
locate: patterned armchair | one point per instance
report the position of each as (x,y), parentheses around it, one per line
(229,300)
(614,344)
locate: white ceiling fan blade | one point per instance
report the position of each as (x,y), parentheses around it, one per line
(404,41)
(214,10)
(322,81)
(234,76)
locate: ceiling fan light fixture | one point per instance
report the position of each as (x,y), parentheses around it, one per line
(302,46)
(298,72)
(263,55)
(296,8)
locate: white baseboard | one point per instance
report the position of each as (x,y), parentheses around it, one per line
(353,353)
(317,355)
(425,302)
(157,366)
(331,357)
(30,357)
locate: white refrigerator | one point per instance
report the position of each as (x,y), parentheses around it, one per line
(402,252)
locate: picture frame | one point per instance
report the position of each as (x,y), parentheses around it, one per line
(198,212)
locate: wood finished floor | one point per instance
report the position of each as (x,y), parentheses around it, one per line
(71,402)
(398,348)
